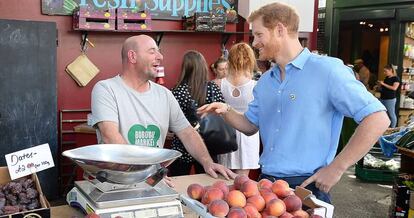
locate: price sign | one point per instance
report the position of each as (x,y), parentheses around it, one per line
(28,161)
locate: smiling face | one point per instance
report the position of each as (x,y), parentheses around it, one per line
(265,41)
(146,58)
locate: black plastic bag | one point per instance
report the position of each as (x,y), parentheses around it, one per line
(219,137)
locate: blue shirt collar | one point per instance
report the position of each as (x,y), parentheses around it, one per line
(301,59)
(298,62)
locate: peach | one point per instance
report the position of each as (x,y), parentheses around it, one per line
(300,213)
(252,211)
(222,186)
(292,203)
(269,196)
(276,207)
(257,201)
(249,188)
(195,191)
(239,180)
(211,195)
(286,215)
(236,212)
(265,183)
(281,188)
(92,215)
(236,198)
(266,215)
(218,208)
(263,190)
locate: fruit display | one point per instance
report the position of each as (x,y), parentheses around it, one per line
(247,199)
(18,196)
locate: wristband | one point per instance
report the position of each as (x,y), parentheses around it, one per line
(228,108)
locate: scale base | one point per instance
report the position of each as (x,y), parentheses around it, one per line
(168,209)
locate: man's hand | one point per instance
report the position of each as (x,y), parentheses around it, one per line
(324,179)
(211,168)
(168,181)
(215,107)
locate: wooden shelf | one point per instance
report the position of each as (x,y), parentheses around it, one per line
(160,33)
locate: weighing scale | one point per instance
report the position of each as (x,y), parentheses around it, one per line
(124,181)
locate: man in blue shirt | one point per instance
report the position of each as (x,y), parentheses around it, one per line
(299,107)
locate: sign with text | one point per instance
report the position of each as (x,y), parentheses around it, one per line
(28,161)
(159,9)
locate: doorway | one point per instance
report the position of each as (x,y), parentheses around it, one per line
(367,40)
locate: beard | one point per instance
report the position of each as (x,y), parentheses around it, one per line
(270,50)
(150,74)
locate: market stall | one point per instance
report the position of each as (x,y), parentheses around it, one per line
(127,181)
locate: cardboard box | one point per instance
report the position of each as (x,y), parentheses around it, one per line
(43,212)
(319,207)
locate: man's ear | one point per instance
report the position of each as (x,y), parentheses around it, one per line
(280,29)
(132,56)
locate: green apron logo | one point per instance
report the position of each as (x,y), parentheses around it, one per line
(139,135)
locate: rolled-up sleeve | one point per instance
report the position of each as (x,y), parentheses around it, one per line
(349,96)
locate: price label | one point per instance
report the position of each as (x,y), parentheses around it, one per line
(28,161)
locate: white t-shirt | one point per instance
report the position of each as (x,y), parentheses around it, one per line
(143,118)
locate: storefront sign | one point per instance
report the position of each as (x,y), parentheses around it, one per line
(159,9)
(28,161)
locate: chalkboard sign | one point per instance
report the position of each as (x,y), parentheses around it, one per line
(28,102)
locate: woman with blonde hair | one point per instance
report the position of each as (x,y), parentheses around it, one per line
(237,90)
(389,92)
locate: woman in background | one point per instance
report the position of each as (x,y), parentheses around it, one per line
(220,69)
(193,90)
(388,92)
(237,88)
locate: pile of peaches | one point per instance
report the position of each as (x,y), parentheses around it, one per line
(249,199)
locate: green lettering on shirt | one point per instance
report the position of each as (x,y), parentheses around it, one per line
(139,135)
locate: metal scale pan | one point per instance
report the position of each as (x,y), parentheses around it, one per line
(121,173)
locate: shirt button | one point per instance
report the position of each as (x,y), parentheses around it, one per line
(279,91)
(277,130)
(271,149)
(278,111)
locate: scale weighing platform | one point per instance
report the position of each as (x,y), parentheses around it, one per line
(124,181)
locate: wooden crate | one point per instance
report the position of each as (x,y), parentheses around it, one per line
(88,18)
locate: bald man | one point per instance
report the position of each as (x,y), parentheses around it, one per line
(131,109)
